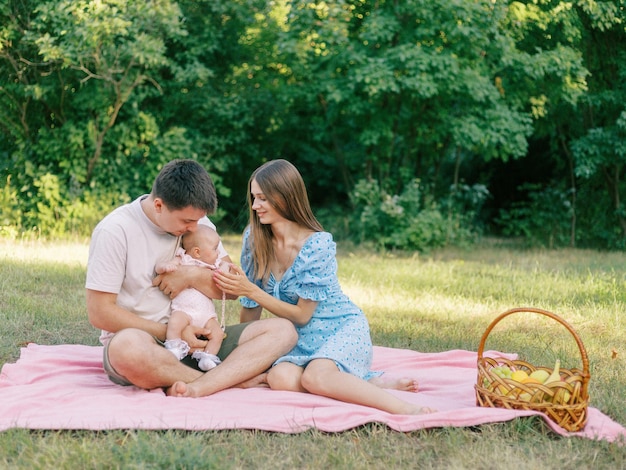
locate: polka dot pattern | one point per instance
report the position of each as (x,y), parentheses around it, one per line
(338,329)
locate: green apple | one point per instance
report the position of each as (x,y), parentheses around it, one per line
(540,374)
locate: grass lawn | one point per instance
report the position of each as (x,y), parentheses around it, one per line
(431,303)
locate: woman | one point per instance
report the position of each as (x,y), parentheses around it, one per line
(289,268)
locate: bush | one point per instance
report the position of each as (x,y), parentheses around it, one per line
(542,219)
(52,212)
(10,212)
(405,221)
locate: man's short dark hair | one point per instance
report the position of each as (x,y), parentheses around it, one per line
(185,183)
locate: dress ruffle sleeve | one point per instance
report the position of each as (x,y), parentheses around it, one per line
(248,267)
(316,267)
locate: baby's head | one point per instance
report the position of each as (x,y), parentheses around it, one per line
(203,244)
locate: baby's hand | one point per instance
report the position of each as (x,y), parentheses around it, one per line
(224,267)
(166,268)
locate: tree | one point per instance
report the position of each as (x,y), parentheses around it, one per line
(600,152)
(77,65)
(397,89)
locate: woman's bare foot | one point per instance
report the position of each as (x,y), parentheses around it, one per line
(412,409)
(404,384)
(260,381)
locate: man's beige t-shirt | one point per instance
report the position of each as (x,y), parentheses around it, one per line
(125,247)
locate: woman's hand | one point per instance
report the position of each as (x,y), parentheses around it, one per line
(234,282)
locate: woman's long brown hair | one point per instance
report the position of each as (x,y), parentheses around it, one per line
(283,187)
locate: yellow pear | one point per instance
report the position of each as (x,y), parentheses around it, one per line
(562,395)
(555,376)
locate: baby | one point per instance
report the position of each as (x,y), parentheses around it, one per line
(191,307)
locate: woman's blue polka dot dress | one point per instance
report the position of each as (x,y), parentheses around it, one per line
(338,329)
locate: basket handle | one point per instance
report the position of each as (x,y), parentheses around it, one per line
(581,347)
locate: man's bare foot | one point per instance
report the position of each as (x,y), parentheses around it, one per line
(180,389)
(404,384)
(260,381)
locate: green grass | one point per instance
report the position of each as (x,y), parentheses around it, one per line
(430,303)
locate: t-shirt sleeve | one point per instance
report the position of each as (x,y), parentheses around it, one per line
(248,267)
(316,267)
(107,261)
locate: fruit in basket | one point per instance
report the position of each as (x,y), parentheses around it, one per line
(519,375)
(561,396)
(555,376)
(530,380)
(504,372)
(540,374)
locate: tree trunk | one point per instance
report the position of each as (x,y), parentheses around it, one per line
(572,178)
(612,181)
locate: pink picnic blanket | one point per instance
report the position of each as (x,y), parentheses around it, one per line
(64,387)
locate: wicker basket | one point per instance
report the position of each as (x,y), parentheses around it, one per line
(569,412)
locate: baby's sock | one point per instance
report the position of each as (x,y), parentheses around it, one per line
(206,361)
(177,347)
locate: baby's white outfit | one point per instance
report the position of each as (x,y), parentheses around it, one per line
(200,309)
(191,301)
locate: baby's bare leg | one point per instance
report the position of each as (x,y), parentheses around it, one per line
(261,343)
(174,342)
(177,323)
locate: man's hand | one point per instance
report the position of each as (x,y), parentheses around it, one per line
(166,268)
(191,335)
(173,283)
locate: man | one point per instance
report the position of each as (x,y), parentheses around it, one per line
(131,305)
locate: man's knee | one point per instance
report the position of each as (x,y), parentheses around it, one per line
(125,346)
(285,330)
(283,334)
(280,331)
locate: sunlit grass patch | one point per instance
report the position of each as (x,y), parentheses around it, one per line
(432,303)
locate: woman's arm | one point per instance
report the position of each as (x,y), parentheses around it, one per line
(236,283)
(250,314)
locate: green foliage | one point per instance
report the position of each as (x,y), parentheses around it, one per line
(596,225)
(11,213)
(100,94)
(407,221)
(543,219)
(55,213)
(394,98)
(464,205)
